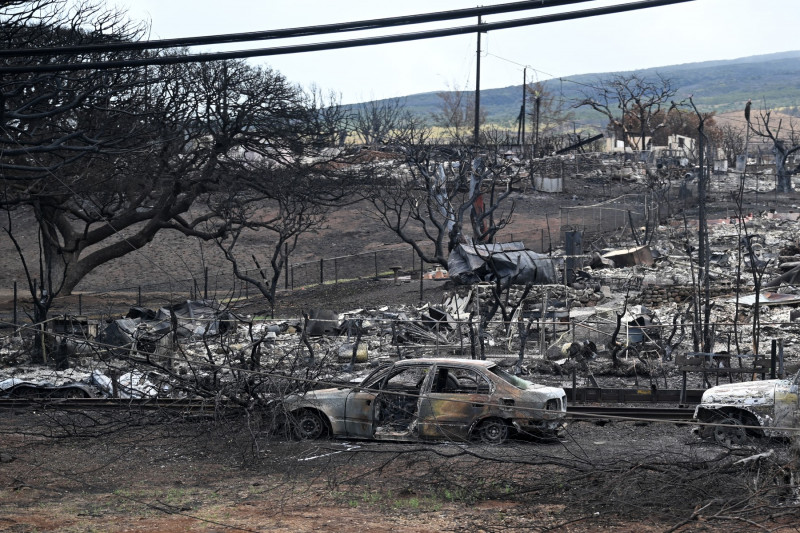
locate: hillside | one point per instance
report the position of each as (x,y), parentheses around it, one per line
(720,86)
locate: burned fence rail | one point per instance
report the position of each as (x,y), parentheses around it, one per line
(371,264)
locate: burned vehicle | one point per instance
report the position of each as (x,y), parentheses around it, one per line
(750,409)
(18,388)
(414,399)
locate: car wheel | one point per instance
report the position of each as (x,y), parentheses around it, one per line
(733,433)
(309,425)
(493,431)
(72,392)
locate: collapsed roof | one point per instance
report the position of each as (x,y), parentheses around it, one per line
(510,262)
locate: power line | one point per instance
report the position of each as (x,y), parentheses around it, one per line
(306,31)
(337,45)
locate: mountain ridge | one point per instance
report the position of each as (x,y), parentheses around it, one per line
(771,81)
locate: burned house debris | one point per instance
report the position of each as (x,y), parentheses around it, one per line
(626,313)
(144,329)
(508,263)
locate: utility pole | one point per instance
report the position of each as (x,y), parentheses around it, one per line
(522,112)
(537,105)
(478,88)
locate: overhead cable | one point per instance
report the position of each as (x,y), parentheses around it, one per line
(336,45)
(306,31)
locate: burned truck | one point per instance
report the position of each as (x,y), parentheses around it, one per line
(738,412)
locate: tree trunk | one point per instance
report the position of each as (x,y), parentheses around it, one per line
(784,180)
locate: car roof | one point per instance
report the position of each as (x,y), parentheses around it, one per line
(446,360)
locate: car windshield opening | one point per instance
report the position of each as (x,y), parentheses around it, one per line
(371,381)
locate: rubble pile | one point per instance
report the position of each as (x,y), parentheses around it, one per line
(578,295)
(591,167)
(576,326)
(656,296)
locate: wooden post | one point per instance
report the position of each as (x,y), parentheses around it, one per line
(542,332)
(376,264)
(336,270)
(574,382)
(15,302)
(321,271)
(44,346)
(205,283)
(114,383)
(773,358)
(682,401)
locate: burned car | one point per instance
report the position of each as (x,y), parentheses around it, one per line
(413,399)
(18,388)
(750,409)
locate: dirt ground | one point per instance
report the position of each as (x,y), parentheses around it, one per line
(193,476)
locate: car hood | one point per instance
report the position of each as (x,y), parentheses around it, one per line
(746,393)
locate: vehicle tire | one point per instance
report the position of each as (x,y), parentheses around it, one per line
(71,392)
(309,425)
(493,431)
(733,433)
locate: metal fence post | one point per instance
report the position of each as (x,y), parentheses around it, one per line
(376,265)
(321,271)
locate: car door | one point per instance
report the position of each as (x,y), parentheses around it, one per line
(360,404)
(396,408)
(457,398)
(787,403)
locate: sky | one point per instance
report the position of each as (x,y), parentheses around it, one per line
(700,30)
